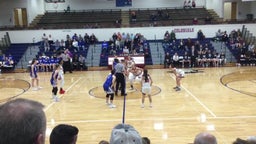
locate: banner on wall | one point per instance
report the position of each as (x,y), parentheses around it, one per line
(123,3)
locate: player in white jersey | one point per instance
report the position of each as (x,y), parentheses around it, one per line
(135,73)
(146,83)
(129,63)
(179,74)
(61,77)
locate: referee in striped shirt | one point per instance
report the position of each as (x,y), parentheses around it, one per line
(120,77)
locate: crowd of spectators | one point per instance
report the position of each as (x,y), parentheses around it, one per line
(191,52)
(75,47)
(125,44)
(7,62)
(243,50)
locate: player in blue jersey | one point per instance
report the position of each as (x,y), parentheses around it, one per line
(34,75)
(108,87)
(54,82)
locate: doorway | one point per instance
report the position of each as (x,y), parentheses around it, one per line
(230,10)
(20,17)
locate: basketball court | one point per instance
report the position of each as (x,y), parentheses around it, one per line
(218,100)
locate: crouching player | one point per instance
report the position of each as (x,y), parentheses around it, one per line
(179,74)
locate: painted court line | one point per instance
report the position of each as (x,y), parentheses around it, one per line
(162,119)
(203,105)
(61,95)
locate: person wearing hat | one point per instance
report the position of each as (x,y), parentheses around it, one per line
(125,134)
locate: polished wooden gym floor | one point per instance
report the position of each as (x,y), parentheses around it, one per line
(220,100)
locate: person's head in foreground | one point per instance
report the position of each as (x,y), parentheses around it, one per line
(22,121)
(205,138)
(64,134)
(125,134)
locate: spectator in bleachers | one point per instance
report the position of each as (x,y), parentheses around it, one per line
(82,62)
(112,49)
(68,9)
(210,58)
(189,43)
(75,37)
(175,60)
(193,4)
(197,45)
(86,38)
(253,58)
(45,43)
(56,46)
(224,37)
(216,58)
(195,21)
(51,42)
(125,50)
(172,36)
(93,39)
(194,54)
(104,47)
(186,60)
(153,16)
(8,62)
(185,4)
(205,138)
(208,20)
(222,58)
(133,16)
(200,35)
(167,36)
(81,44)
(75,45)
(159,13)
(167,16)
(251,47)
(68,43)
(75,62)
(181,45)
(167,60)
(62,44)
(128,44)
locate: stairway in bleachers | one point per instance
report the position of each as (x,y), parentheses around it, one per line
(30,53)
(125,19)
(93,55)
(157,52)
(221,47)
